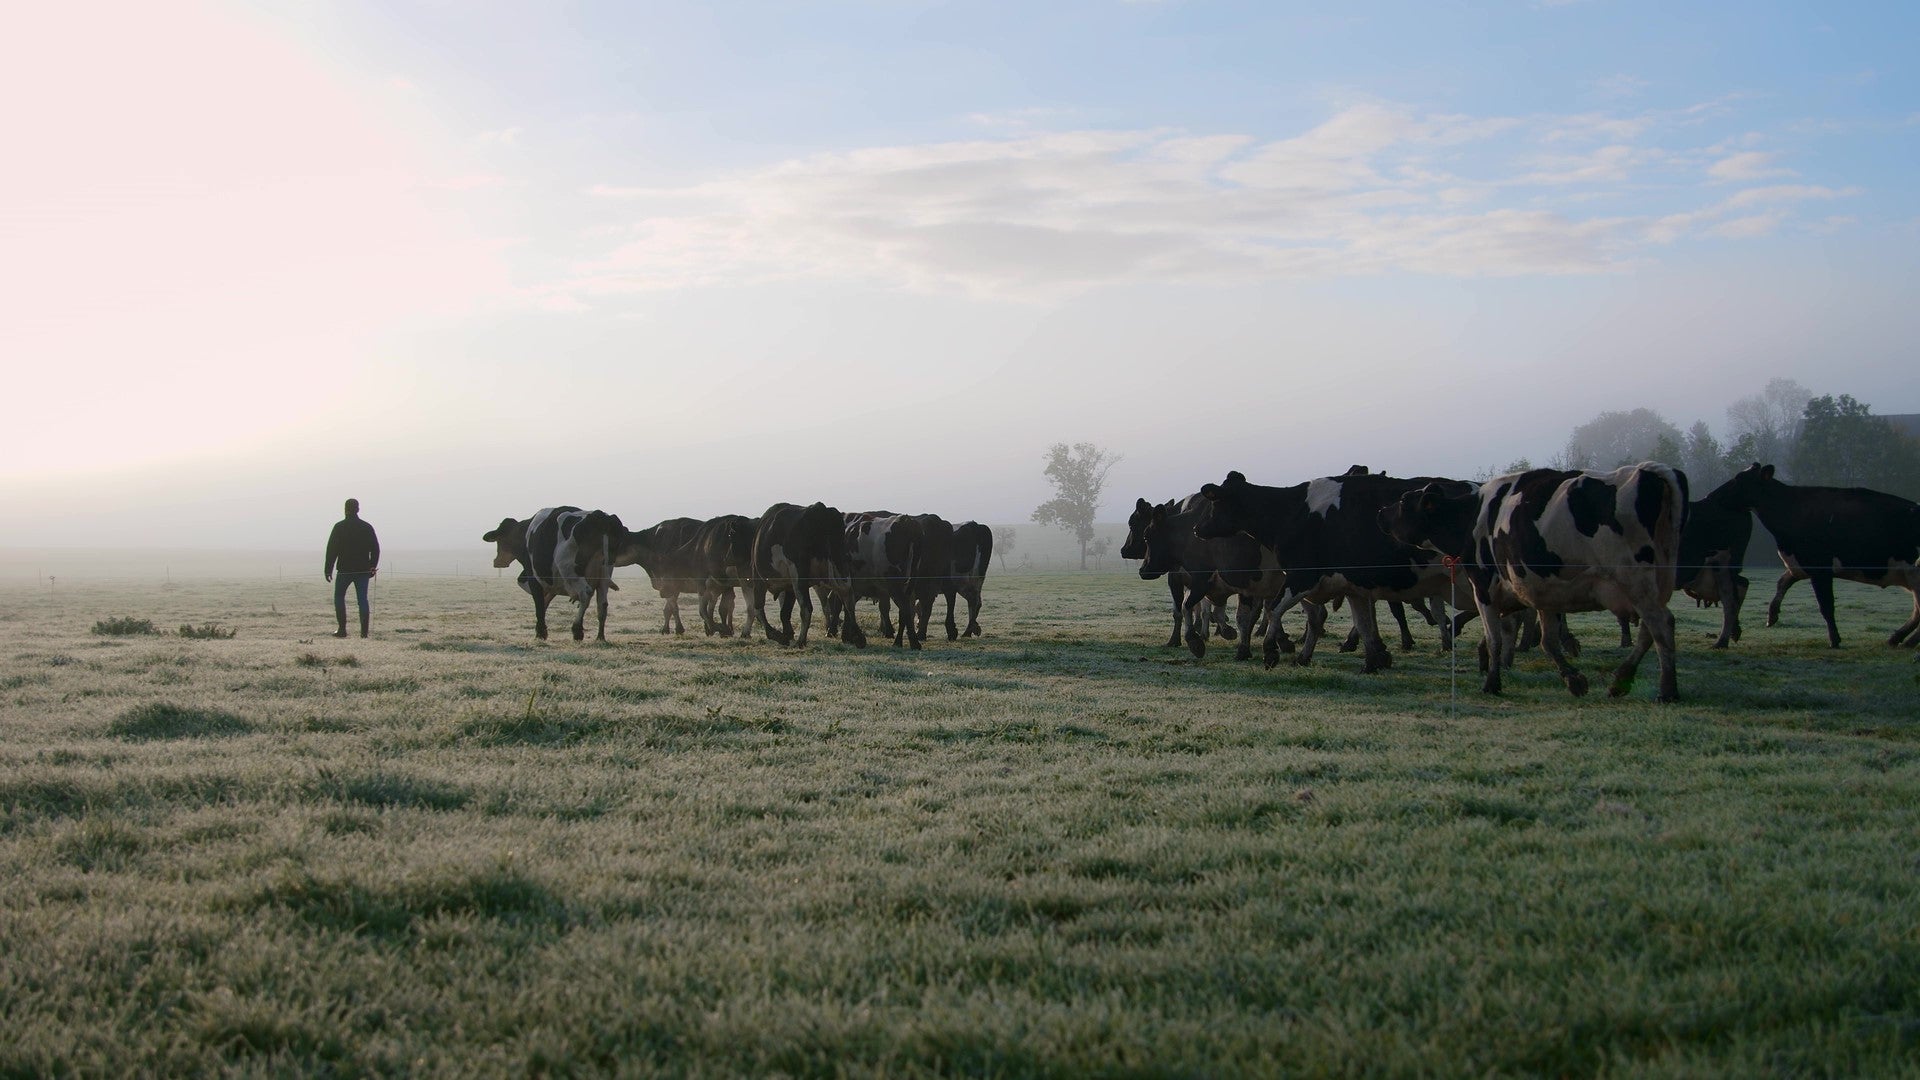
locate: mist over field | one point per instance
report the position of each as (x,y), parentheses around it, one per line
(688,260)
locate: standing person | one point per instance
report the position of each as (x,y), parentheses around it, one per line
(357,551)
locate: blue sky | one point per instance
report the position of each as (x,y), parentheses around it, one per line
(467,259)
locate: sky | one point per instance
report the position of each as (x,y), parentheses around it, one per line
(462,260)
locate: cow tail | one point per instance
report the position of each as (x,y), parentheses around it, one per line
(1667,530)
(985,558)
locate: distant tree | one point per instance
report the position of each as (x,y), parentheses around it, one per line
(1099,548)
(1613,439)
(1488,472)
(1003,542)
(1842,444)
(1703,459)
(1078,473)
(1772,418)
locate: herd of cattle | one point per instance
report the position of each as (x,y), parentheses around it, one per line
(896,560)
(1543,541)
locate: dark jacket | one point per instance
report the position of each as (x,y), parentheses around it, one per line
(353,545)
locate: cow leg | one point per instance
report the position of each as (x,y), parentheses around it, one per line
(1245,616)
(1366,619)
(1399,612)
(1732,589)
(850,633)
(886,617)
(1316,626)
(1657,631)
(1780,588)
(1196,622)
(1179,609)
(1823,595)
(580,605)
(1494,640)
(726,612)
(600,602)
(1550,642)
(1352,641)
(1626,629)
(784,635)
(1221,625)
(541,599)
(973,610)
(673,605)
(953,628)
(1276,641)
(1913,621)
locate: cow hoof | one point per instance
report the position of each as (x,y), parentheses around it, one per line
(1197,645)
(1271,658)
(952,634)
(579,634)
(1379,662)
(1302,660)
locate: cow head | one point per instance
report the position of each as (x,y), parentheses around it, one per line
(509,542)
(1224,512)
(1135,545)
(1749,486)
(1438,517)
(1156,553)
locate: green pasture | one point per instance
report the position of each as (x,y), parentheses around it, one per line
(1058,850)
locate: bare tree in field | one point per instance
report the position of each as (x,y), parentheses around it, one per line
(1078,473)
(1003,542)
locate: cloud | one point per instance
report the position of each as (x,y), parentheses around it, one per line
(1372,188)
(1751,165)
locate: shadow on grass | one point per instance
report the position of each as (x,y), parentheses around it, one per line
(164,720)
(397,909)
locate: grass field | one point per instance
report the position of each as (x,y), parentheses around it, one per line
(1058,850)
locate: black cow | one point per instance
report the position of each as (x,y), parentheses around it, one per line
(794,549)
(1326,535)
(1215,569)
(1559,542)
(932,568)
(1823,533)
(722,549)
(661,550)
(971,554)
(1179,580)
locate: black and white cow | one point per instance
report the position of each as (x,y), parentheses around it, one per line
(565,551)
(1326,535)
(509,539)
(1823,533)
(967,564)
(661,550)
(794,549)
(886,550)
(1560,542)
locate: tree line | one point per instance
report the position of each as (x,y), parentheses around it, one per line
(1827,440)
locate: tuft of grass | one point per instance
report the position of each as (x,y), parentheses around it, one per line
(164,720)
(315,660)
(124,626)
(210,631)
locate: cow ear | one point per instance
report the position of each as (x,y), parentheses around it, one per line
(1141,506)
(1236,477)
(1766,472)
(492,536)
(1211,491)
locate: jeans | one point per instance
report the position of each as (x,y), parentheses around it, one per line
(340,595)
